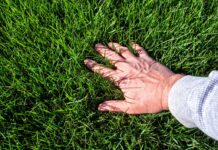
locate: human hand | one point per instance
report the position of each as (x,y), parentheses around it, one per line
(145,83)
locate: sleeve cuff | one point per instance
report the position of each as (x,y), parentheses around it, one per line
(179,96)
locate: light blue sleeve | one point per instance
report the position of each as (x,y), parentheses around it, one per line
(193,101)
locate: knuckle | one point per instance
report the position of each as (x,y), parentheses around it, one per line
(124,49)
(140,51)
(153,64)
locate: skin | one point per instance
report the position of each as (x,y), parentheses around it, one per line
(145,83)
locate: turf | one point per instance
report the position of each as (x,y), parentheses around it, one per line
(48,98)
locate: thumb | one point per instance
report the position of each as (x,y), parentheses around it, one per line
(116,106)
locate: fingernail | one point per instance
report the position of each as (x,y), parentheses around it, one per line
(102,107)
(98,45)
(110,43)
(86,61)
(132,43)
(89,63)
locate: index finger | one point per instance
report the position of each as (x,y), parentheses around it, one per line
(100,69)
(112,56)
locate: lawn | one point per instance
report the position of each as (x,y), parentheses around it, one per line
(49,99)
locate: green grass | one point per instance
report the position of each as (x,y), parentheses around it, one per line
(48,98)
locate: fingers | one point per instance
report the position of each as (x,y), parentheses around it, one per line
(102,70)
(123,51)
(116,106)
(141,52)
(112,56)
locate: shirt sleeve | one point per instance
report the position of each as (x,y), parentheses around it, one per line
(193,101)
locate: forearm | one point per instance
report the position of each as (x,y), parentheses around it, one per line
(194,102)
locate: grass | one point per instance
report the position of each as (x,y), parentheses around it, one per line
(48,98)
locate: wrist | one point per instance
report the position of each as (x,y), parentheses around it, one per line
(167,86)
